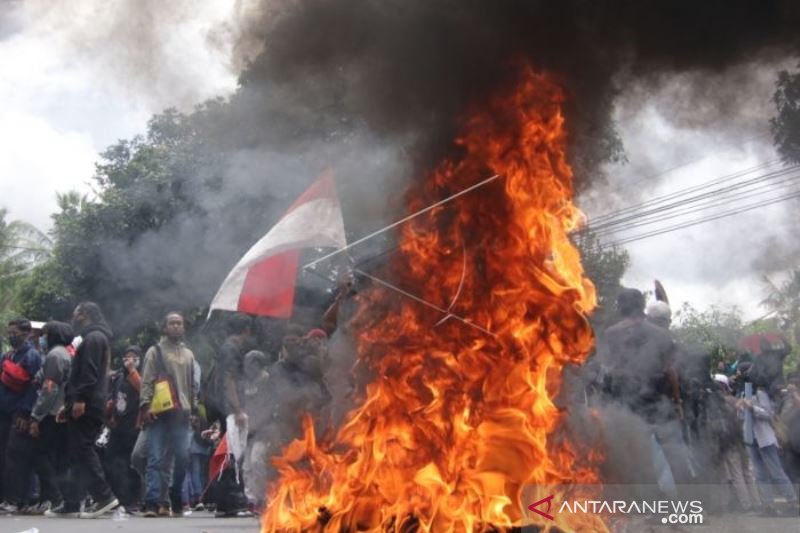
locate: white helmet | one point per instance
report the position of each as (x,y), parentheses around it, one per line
(659,310)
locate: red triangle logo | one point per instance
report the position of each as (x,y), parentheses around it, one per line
(534,507)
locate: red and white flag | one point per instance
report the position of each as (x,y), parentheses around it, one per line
(263,281)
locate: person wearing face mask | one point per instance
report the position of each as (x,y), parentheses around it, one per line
(44,447)
(17,396)
(122,412)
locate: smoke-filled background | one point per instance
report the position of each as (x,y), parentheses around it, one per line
(188,127)
(373,90)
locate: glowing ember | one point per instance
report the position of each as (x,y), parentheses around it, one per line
(458,421)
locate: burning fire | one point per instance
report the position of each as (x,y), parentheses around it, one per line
(460,418)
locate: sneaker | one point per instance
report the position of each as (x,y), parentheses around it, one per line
(8,508)
(769,511)
(100,508)
(239,513)
(199,507)
(179,509)
(150,511)
(38,508)
(164,510)
(63,511)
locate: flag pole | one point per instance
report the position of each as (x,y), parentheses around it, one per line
(402,221)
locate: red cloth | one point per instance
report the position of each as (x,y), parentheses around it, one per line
(217,463)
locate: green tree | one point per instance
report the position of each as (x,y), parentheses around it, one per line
(715,331)
(159,232)
(140,185)
(605,267)
(783,301)
(718,330)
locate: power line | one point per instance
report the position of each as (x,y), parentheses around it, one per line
(637,215)
(677,194)
(691,162)
(684,225)
(728,195)
(723,200)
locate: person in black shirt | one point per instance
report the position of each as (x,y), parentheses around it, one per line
(638,360)
(123,420)
(84,410)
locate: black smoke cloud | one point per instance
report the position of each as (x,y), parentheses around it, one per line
(411,68)
(375,91)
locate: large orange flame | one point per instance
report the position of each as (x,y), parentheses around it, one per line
(458,420)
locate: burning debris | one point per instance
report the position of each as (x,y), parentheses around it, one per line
(457,422)
(462,337)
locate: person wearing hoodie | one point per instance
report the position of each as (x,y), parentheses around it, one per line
(17,396)
(122,412)
(84,410)
(43,447)
(169,431)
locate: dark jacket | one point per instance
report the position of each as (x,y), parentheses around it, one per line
(88,377)
(21,403)
(229,377)
(292,393)
(124,398)
(637,357)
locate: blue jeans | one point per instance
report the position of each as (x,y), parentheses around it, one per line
(769,472)
(195,483)
(168,439)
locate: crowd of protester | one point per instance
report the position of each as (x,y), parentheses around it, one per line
(732,427)
(155,437)
(160,437)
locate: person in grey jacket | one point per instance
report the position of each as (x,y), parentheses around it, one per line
(46,443)
(168,432)
(762,446)
(50,437)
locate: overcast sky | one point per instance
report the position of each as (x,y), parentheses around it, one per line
(72,83)
(69,89)
(682,131)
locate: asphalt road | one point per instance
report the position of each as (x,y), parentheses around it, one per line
(206,523)
(197,522)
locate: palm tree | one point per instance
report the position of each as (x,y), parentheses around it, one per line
(22,247)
